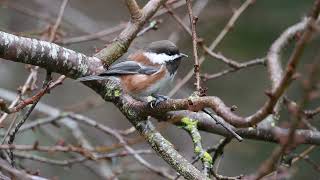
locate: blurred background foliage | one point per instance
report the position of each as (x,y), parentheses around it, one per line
(251,38)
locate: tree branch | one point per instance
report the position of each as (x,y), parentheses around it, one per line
(134,10)
(61,60)
(121,44)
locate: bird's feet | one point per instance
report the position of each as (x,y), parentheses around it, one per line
(157,100)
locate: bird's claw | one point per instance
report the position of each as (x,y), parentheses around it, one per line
(158,99)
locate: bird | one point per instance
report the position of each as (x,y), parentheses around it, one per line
(146,71)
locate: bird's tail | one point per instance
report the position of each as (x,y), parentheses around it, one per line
(91,78)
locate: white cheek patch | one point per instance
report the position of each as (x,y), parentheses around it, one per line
(160,58)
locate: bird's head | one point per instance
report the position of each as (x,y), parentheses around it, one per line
(161,52)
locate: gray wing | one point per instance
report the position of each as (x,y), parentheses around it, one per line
(122,68)
(129,67)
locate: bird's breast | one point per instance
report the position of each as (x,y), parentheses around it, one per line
(145,85)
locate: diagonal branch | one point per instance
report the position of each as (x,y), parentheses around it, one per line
(121,44)
(134,10)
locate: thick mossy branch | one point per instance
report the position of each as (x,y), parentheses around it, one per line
(166,150)
(190,125)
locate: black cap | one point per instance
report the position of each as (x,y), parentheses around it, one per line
(164,46)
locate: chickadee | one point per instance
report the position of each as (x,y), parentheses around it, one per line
(146,71)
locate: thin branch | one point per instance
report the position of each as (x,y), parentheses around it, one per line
(205,123)
(219,149)
(221,177)
(106,31)
(101,168)
(66,149)
(239,66)
(270,164)
(215,43)
(70,162)
(303,154)
(177,18)
(12,133)
(114,133)
(93,36)
(120,45)
(28,83)
(193,21)
(198,8)
(222,123)
(310,161)
(33,99)
(18,174)
(57,24)
(153,25)
(233,64)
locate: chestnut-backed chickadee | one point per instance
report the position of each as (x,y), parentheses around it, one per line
(146,71)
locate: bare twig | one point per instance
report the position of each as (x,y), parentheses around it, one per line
(219,148)
(18,174)
(310,161)
(153,25)
(239,66)
(107,31)
(215,43)
(92,36)
(270,164)
(219,121)
(46,88)
(30,79)
(33,99)
(36,147)
(118,47)
(101,168)
(193,21)
(221,177)
(70,162)
(57,24)
(114,133)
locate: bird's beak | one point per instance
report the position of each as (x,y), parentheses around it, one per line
(183,55)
